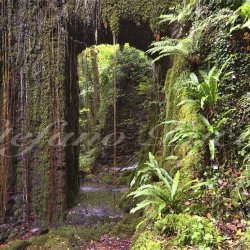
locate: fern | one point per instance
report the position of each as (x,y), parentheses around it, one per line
(184,47)
(167,195)
(245,137)
(146,171)
(163,197)
(182,12)
(243,12)
(207,135)
(169,46)
(205,92)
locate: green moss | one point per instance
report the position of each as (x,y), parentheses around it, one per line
(18,245)
(148,240)
(115,11)
(63,238)
(126,227)
(186,230)
(107,178)
(172,97)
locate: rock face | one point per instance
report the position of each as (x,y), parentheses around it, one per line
(130,116)
(40,41)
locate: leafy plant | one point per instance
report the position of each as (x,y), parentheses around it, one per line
(185,46)
(182,12)
(164,196)
(245,11)
(245,137)
(243,184)
(169,46)
(144,88)
(207,135)
(87,160)
(149,169)
(204,89)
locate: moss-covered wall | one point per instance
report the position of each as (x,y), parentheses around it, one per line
(40,41)
(40,92)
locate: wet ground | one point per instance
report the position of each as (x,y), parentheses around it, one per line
(97,206)
(97,203)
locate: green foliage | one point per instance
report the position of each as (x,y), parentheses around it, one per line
(245,152)
(87,160)
(169,46)
(184,47)
(18,245)
(247,237)
(132,66)
(165,196)
(205,89)
(241,189)
(245,11)
(126,227)
(182,12)
(189,230)
(148,170)
(127,67)
(147,240)
(208,89)
(144,88)
(138,12)
(213,133)
(205,136)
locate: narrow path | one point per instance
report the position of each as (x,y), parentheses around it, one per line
(97,203)
(97,208)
